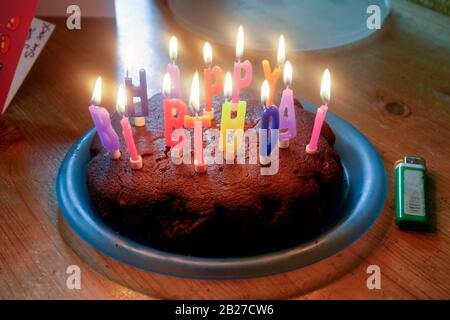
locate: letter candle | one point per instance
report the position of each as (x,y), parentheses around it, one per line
(102,121)
(270,118)
(215,72)
(245,81)
(173,69)
(189,120)
(127,132)
(228,123)
(288,125)
(140,92)
(273,76)
(174,112)
(325,90)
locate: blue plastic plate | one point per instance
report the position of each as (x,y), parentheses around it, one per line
(360,206)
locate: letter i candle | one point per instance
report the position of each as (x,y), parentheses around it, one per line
(325,89)
(127,132)
(102,122)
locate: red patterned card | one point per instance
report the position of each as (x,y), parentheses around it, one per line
(15,21)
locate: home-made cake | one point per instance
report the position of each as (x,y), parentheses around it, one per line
(230,211)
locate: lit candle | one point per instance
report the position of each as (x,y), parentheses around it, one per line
(211,88)
(229,125)
(102,121)
(239,66)
(288,125)
(127,132)
(174,112)
(173,69)
(270,121)
(325,91)
(273,76)
(194,104)
(137,92)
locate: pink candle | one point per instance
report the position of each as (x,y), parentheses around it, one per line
(311,148)
(129,140)
(246,66)
(198,143)
(173,70)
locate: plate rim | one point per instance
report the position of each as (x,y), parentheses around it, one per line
(107,241)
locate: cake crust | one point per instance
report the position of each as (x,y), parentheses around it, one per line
(232,210)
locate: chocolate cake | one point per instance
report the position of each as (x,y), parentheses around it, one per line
(230,211)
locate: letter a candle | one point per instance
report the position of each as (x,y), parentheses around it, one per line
(325,89)
(127,132)
(245,81)
(209,74)
(102,121)
(288,125)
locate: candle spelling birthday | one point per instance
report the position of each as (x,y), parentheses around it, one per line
(270,123)
(102,122)
(189,120)
(325,89)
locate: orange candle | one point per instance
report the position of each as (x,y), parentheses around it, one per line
(210,74)
(195,104)
(272,77)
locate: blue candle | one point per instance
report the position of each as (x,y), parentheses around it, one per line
(270,124)
(140,92)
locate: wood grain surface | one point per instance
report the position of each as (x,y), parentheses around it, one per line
(394,87)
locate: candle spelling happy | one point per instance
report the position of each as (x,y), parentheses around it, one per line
(288,125)
(102,121)
(273,76)
(246,66)
(173,69)
(270,124)
(127,132)
(138,92)
(211,88)
(325,89)
(229,137)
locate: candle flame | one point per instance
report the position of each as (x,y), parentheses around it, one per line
(287,73)
(281,56)
(173,48)
(228,86)
(97,95)
(166,87)
(325,88)
(265,92)
(194,99)
(207,53)
(121,99)
(240,43)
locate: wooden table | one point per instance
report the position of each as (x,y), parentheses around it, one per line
(394,87)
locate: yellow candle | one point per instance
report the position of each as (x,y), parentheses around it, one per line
(273,76)
(228,122)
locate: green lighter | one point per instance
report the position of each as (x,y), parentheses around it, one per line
(410,208)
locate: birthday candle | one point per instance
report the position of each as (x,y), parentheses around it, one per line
(140,92)
(127,132)
(239,66)
(229,124)
(273,76)
(211,88)
(288,124)
(325,89)
(270,118)
(174,112)
(102,121)
(173,69)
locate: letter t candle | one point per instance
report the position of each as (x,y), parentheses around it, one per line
(325,89)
